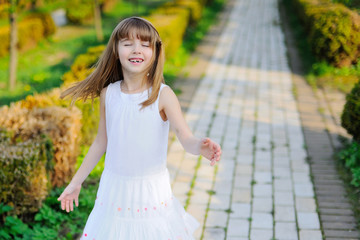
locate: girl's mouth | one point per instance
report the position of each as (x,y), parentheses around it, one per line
(136,60)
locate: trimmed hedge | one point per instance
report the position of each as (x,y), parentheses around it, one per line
(171,29)
(24,172)
(171,8)
(62,125)
(350,118)
(333,30)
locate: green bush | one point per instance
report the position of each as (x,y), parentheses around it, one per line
(350,118)
(78,11)
(350,156)
(11,227)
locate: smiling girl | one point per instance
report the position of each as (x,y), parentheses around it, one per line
(134,199)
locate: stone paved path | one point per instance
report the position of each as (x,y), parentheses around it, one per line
(261,189)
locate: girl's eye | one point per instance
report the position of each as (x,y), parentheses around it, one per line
(146,45)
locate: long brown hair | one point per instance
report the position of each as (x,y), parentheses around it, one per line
(108,69)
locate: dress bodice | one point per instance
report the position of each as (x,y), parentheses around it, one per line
(137,139)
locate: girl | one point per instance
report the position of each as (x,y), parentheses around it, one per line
(134,199)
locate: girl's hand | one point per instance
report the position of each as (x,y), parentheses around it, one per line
(70,193)
(210,150)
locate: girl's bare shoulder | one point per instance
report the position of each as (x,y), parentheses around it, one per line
(167,97)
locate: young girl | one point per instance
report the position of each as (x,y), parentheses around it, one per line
(134,199)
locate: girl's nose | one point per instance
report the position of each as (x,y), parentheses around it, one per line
(136,48)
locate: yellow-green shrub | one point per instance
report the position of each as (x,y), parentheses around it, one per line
(47,22)
(194,7)
(171,29)
(81,67)
(333,30)
(62,125)
(24,171)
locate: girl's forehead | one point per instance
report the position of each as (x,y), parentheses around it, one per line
(137,34)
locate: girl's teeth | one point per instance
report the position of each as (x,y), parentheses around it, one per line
(136,61)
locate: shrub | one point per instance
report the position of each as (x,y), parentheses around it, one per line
(333,31)
(78,11)
(350,118)
(193,7)
(47,22)
(60,124)
(24,171)
(171,29)
(350,156)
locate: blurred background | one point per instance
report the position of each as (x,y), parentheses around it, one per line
(48,44)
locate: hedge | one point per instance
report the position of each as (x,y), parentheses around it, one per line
(24,172)
(333,31)
(62,125)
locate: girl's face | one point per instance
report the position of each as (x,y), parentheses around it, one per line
(135,55)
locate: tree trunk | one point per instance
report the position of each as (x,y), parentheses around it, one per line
(97,17)
(13,45)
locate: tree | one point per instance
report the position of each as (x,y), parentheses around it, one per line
(13,44)
(97,19)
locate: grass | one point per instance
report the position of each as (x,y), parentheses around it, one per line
(320,74)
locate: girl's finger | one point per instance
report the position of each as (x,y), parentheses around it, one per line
(63,204)
(72,205)
(67,205)
(61,197)
(76,202)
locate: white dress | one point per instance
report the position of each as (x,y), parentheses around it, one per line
(134,200)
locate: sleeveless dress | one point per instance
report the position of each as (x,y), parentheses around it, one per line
(134,199)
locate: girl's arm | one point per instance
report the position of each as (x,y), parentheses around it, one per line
(204,146)
(96,150)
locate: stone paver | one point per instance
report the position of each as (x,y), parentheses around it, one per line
(262,187)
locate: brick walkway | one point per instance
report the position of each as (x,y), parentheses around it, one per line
(261,189)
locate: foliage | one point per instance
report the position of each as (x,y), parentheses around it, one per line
(80,11)
(350,118)
(24,171)
(60,124)
(350,156)
(333,30)
(51,222)
(11,227)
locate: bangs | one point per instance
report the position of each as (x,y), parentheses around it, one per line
(136,28)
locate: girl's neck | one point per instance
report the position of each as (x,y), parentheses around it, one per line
(134,83)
